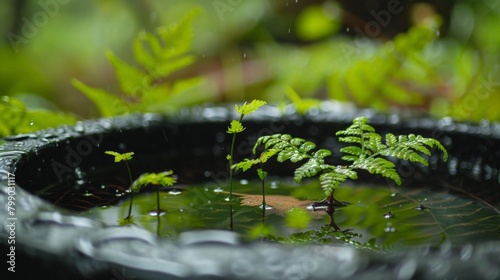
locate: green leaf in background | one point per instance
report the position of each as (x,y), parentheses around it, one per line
(108,104)
(132,81)
(16,118)
(146,88)
(317,22)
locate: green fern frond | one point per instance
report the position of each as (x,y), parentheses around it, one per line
(407,147)
(132,81)
(378,165)
(146,87)
(249,108)
(331,179)
(120,156)
(162,178)
(235,127)
(266,155)
(288,148)
(245,164)
(315,164)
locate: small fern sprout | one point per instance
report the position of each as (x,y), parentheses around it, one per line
(125,157)
(156,179)
(236,127)
(246,164)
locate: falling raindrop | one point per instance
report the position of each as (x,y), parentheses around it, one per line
(245,55)
(347,29)
(289,30)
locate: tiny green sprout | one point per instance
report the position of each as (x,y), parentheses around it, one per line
(365,151)
(119,157)
(234,128)
(125,157)
(157,179)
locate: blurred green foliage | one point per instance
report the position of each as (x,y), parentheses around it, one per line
(242,50)
(147,88)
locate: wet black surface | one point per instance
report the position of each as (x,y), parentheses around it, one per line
(195,145)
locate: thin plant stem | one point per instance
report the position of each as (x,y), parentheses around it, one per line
(231,154)
(158,200)
(132,197)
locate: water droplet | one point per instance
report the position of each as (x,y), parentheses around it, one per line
(289,31)
(155,213)
(274,185)
(390,229)
(420,207)
(79,127)
(347,29)
(244,182)
(393,194)
(218,190)
(388,215)
(87,193)
(80,182)
(32,122)
(174,192)
(20,137)
(268,207)
(245,55)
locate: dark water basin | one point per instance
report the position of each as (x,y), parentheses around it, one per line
(421,230)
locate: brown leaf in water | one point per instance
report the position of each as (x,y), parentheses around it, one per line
(280,203)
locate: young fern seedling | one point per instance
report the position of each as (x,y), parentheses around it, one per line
(366,152)
(162,178)
(246,164)
(125,157)
(236,127)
